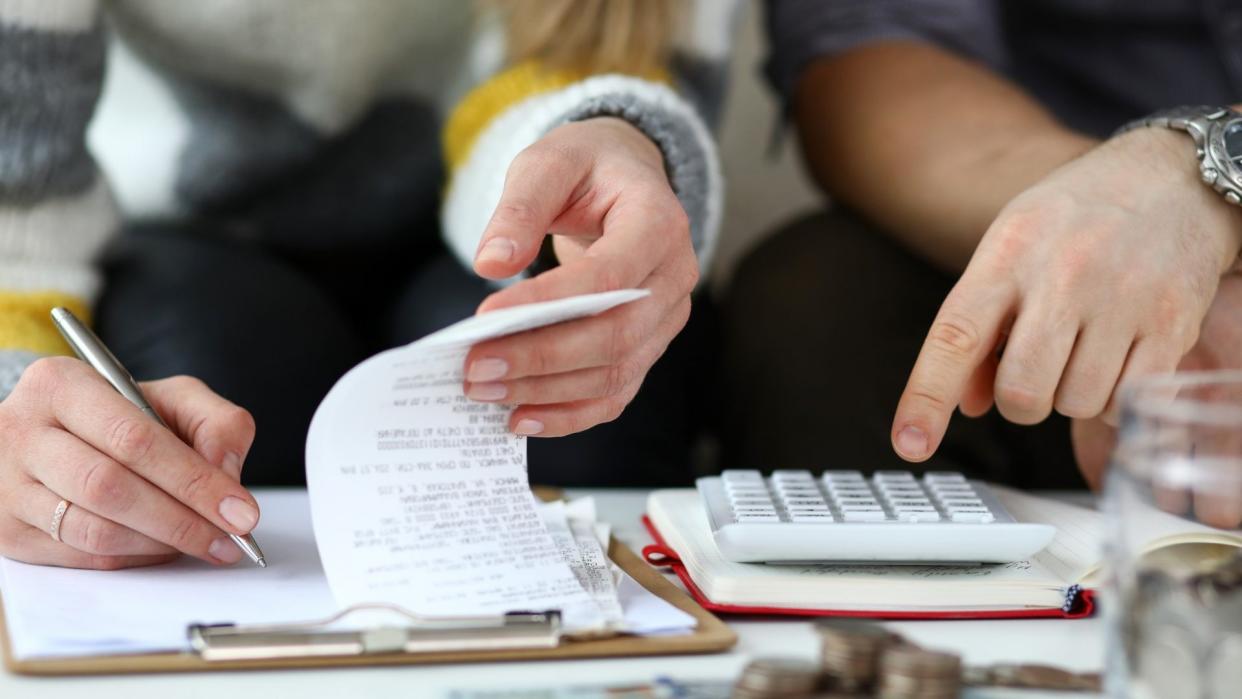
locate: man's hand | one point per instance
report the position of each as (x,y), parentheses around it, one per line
(1100,273)
(139,493)
(600,188)
(1219,347)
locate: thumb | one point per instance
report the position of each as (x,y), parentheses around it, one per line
(539,187)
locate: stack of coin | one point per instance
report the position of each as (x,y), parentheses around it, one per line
(850,652)
(777,678)
(910,672)
(1220,584)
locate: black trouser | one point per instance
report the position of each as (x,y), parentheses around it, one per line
(272,329)
(822,325)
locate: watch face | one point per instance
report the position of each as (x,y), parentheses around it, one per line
(1233,141)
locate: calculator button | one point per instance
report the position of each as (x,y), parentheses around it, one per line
(950,486)
(876,515)
(751,502)
(843,476)
(758,518)
(918,516)
(944,477)
(859,505)
(745,483)
(783,475)
(751,498)
(850,492)
(966,508)
(804,509)
(741,475)
(909,502)
(824,517)
(750,495)
(846,492)
(971,502)
(971,516)
(954,493)
(890,476)
(805,502)
(947,487)
(741,491)
(794,490)
(899,486)
(965,503)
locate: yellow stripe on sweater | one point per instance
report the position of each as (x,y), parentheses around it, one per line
(492,98)
(26,321)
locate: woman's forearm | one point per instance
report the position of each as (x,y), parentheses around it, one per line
(927,144)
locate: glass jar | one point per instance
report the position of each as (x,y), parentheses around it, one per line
(1173,503)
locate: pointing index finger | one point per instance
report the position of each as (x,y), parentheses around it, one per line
(964,332)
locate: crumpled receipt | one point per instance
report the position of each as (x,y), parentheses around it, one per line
(419,496)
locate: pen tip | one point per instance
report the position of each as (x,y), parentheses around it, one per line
(262,562)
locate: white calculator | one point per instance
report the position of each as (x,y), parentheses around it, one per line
(892,517)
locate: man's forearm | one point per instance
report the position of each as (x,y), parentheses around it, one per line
(926,144)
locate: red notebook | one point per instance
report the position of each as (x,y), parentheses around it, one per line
(1054,583)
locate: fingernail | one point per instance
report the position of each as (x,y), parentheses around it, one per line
(912,442)
(484,370)
(224,550)
(497,250)
(239,513)
(487,391)
(232,465)
(528,427)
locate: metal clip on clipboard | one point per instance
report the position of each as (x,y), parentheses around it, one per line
(417,634)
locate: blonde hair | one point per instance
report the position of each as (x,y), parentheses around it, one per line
(598,36)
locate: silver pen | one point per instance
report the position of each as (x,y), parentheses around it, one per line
(92,350)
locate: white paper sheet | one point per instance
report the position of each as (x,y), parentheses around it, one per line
(419,496)
(59,612)
(54,612)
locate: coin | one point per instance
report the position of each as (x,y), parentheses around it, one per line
(850,650)
(910,672)
(1031,676)
(776,677)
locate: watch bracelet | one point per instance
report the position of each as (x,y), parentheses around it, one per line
(1189,118)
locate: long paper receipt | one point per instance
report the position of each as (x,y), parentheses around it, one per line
(419,496)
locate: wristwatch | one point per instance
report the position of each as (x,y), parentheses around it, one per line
(1217,132)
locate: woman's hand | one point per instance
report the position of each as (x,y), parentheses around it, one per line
(138,493)
(600,188)
(1100,273)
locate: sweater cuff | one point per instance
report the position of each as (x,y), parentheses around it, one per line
(12,364)
(690,157)
(689,154)
(26,322)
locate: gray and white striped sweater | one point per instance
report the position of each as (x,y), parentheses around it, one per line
(317,119)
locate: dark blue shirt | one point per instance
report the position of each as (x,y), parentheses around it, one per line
(1096,64)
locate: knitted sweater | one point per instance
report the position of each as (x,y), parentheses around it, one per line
(310,117)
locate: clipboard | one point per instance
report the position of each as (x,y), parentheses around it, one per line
(536,633)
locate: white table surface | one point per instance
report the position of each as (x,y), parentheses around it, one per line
(1074,644)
